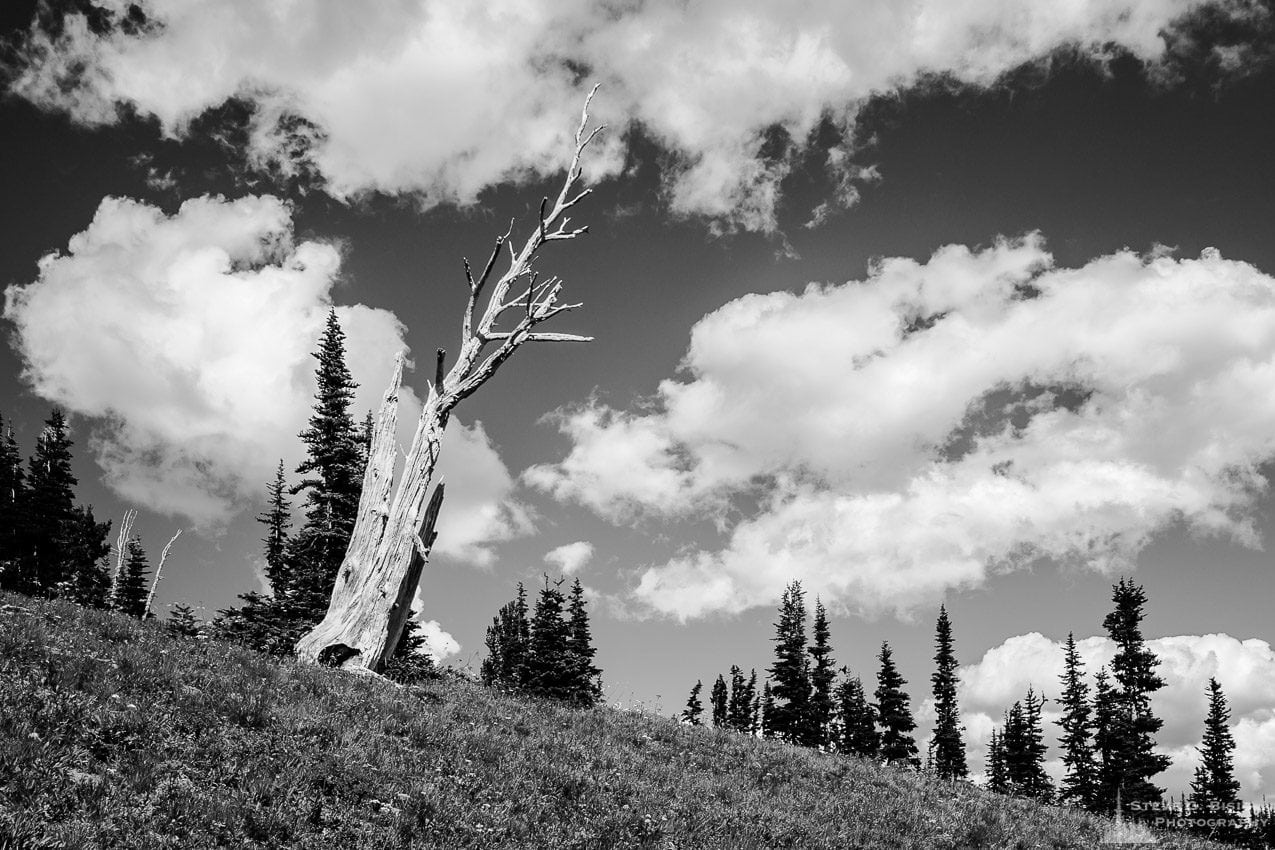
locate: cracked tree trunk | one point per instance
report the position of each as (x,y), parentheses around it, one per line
(394,527)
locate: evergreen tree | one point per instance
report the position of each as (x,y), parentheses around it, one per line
(1080,782)
(1215,788)
(997,778)
(551,666)
(947,747)
(508,643)
(856,723)
(753,704)
(822,673)
(51,509)
(332,480)
(894,714)
(1023,746)
(694,708)
(736,705)
(13,503)
(131,596)
(88,552)
(790,673)
(277,519)
(183,622)
(1132,761)
(720,702)
(586,683)
(1106,730)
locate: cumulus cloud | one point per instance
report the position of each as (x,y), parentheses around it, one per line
(439,645)
(444,99)
(1245,669)
(570,558)
(479,509)
(193,335)
(901,434)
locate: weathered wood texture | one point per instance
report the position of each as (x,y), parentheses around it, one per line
(394,528)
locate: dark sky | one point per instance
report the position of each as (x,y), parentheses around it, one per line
(1096,157)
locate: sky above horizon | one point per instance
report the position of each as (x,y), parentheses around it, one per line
(915,303)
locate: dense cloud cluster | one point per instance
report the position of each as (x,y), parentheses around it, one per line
(1245,669)
(193,337)
(444,99)
(902,434)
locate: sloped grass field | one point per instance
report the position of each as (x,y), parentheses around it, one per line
(114,734)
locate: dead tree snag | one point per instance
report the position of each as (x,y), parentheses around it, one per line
(394,528)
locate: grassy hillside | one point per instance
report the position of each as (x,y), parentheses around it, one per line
(113,734)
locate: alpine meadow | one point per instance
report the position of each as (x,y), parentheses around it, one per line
(668,423)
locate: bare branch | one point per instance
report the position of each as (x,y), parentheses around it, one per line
(545,337)
(121,550)
(159,573)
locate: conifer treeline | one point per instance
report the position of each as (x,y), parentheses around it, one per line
(49,545)
(1106,732)
(547,652)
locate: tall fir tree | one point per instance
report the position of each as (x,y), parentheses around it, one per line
(1080,779)
(948,748)
(1107,728)
(1023,746)
(856,721)
(767,711)
(719,699)
(551,666)
(1214,788)
(694,708)
(50,509)
(13,504)
(332,480)
(1132,760)
(790,674)
(753,704)
(508,643)
(997,778)
(736,705)
(277,519)
(130,597)
(894,714)
(88,551)
(586,686)
(822,674)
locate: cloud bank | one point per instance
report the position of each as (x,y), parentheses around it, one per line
(444,99)
(193,337)
(1245,669)
(890,439)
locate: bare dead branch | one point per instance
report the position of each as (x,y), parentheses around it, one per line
(159,573)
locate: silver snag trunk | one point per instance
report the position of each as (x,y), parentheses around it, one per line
(394,528)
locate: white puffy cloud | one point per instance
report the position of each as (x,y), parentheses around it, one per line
(438,643)
(1245,669)
(479,509)
(443,99)
(901,434)
(570,558)
(192,340)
